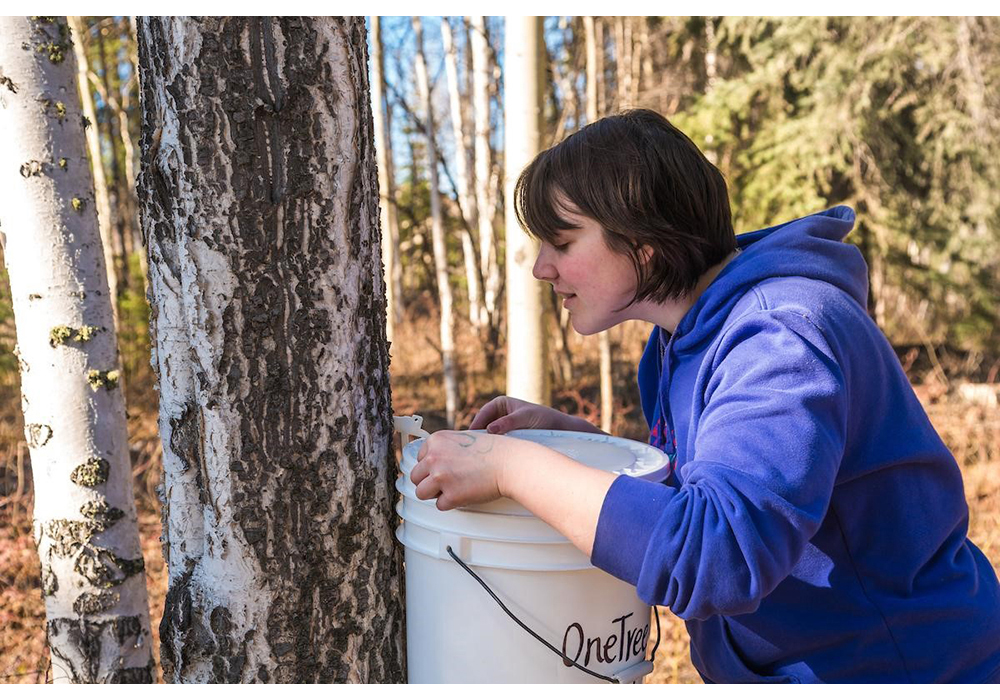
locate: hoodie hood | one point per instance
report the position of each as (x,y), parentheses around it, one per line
(810,247)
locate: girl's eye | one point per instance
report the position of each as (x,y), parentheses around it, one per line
(561,247)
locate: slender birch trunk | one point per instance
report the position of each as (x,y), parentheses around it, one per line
(101,200)
(461,171)
(386,185)
(137,242)
(260,207)
(603,338)
(527,358)
(97,612)
(484,167)
(438,234)
(121,247)
(468,125)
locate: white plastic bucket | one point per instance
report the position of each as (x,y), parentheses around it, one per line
(455,631)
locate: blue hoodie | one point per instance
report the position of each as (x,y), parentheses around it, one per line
(815,526)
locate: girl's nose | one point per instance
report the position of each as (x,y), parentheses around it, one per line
(543,269)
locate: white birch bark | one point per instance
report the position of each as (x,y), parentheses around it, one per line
(101,199)
(438,234)
(260,207)
(527,367)
(386,187)
(468,124)
(484,165)
(97,613)
(461,171)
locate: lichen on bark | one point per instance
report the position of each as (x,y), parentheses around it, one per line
(95,603)
(60,335)
(91,473)
(108,379)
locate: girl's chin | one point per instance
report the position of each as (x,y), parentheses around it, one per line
(584,328)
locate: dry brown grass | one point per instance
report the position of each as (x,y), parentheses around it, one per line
(972,432)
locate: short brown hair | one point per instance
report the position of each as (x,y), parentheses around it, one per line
(646,184)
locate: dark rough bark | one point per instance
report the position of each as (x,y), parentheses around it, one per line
(262,177)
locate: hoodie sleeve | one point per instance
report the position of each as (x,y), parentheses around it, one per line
(767,450)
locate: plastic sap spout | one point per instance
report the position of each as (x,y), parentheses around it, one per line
(409,427)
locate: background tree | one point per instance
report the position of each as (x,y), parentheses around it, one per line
(604,337)
(438,240)
(84,517)
(260,208)
(387,185)
(465,183)
(484,166)
(101,199)
(527,366)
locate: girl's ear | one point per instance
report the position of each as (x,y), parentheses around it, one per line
(647,253)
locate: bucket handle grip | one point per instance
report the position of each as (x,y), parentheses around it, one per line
(624,676)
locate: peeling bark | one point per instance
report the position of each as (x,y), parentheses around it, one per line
(84,518)
(260,209)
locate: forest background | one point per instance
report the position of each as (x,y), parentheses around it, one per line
(896,117)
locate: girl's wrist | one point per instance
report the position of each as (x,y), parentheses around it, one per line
(515,459)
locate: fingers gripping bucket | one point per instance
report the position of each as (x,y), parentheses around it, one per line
(541,585)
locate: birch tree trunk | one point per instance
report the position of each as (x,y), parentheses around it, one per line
(386,186)
(484,166)
(603,338)
(462,171)
(260,208)
(137,241)
(527,367)
(85,524)
(112,126)
(101,199)
(437,234)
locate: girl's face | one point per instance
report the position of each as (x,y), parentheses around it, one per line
(593,281)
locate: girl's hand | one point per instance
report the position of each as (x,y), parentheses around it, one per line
(461,468)
(505,413)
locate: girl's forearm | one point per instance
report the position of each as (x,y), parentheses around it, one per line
(564,493)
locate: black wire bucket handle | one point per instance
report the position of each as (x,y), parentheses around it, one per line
(625,676)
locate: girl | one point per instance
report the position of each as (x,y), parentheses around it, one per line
(814,526)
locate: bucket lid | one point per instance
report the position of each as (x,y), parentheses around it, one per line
(606,452)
